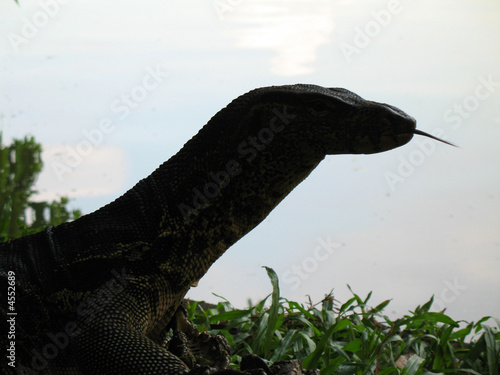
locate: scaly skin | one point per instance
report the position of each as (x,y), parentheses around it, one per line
(95,296)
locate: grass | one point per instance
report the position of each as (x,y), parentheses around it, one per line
(354,338)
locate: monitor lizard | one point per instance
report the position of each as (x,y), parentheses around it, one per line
(98,295)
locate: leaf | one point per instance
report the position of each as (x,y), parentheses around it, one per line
(436,317)
(283,347)
(258,342)
(356,297)
(491,350)
(478,326)
(461,333)
(311,361)
(353,346)
(381,306)
(229,315)
(413,364)
(329,318)
(311,346)
(297,306)
(307,323)
(219,296)
(191,309)
(365,302)
(427,306)
(345,305)
(273,311)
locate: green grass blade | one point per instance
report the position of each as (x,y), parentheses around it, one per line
(461,334)
(353,346)
(436,317)
(427,306)
(221,297)
(283,347)
(491,350)
(478,326)
(381,306)
(365,302)
(273,311)
(345,305)
(307,324)
(229,315)
(310,345)
(258,343)
(413,364)
(311,361)
(296,305)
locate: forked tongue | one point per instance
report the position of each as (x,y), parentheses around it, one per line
(420,132)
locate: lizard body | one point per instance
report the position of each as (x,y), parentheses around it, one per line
(97,295)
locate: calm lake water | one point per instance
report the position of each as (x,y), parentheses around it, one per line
(136,80)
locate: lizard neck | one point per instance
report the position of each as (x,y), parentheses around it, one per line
(189,211)
(227,194)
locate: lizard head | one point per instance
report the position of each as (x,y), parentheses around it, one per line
(337,121)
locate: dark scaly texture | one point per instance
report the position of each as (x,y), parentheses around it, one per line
(95,296)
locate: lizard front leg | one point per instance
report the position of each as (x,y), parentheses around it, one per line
(120,337)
